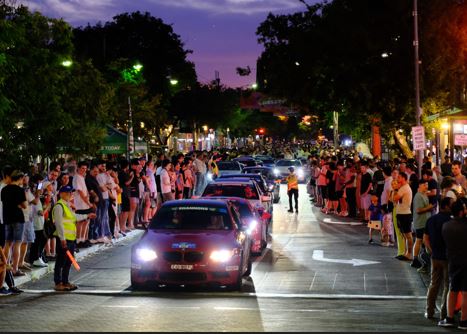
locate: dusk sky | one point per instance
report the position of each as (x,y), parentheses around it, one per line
(221,33)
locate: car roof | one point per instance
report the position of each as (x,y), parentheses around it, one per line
(240,176)
(234,181)
(257,167)
(228,198)
(193,202)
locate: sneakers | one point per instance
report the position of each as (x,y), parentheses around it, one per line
(289,210)
(429,316)
(416,263)
(39,263)
(370,241)
(15,290)
(462,325)
(446,322)
(4,291)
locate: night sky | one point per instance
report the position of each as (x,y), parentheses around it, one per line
(221,33)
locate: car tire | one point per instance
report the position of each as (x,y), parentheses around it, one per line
(248,270)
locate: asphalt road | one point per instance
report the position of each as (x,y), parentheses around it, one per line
(317,274)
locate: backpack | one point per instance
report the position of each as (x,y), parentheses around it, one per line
(49,225)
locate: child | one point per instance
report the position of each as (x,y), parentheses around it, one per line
(387,231)
(375,217)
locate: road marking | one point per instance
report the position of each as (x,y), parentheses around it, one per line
(258,309)
(364,282)
(318,255)
(386,279)
(216,294)
(335,278)
(121,306)
(329,221)
(313,281)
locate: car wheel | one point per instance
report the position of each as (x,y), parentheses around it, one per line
(248,270)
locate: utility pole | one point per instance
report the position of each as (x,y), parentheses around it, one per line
(130,136)
(419,153)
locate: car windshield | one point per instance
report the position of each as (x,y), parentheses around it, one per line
(286,163)
(228,166)
(191,218)
(242,191)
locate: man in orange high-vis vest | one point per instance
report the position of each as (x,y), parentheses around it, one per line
(292,189)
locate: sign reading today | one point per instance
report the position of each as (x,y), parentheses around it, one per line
(418,137)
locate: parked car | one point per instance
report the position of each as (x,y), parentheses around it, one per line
(229,167)
(282,168)
(256,222)
(273,181)
(192,242)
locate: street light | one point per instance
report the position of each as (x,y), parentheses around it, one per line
(173,82)
(67,63)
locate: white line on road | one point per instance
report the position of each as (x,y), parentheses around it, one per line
(329,221)
(334,284)
(313,281)
(364,282)
(386,279)
(121,306)
(231,294)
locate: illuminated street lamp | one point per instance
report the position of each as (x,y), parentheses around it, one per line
(67,63)
(173,82)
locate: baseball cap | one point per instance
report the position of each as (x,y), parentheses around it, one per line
(66,189)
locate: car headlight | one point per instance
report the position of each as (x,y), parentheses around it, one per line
(276,171)
(221,255)
(251,227)
(145,254)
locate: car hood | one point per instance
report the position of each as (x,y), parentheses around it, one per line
(176,239)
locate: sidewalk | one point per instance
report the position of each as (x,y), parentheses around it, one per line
(37,273)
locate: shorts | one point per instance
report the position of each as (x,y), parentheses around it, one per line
(340,194)
(125,206)
(14,232)
(404,222)
(323,191)
(134,200)
(28,232)
(457,277)
(419,233)
(365,201)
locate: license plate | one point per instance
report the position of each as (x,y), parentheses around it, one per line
(181,266)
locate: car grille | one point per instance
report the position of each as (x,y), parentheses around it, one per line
(173,256)
(182,277)
(191,257)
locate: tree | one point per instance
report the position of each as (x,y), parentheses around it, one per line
(356,57)
(136,37)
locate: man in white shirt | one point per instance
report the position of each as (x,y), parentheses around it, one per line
(199,167)
(105,185)
(83,205)
(403,198)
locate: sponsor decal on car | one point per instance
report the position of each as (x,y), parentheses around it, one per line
(183,245)
(181,266)
(231,268)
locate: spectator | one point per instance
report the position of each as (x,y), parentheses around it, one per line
(454,235)
(421,212)
(403,198)
(434,243)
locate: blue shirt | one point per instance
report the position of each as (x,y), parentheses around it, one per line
(434,226)
(375,212)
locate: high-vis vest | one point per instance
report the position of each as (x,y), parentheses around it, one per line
(292,182)
(69,222)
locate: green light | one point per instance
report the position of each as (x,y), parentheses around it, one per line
(137,67)
(254,86)
(173,82)
(67,63)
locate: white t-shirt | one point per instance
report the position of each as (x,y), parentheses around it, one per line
(403,205)
(28,212)
(166,186)
(80,184)
(103,179)
(387,188)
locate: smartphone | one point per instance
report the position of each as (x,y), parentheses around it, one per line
(39,186)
